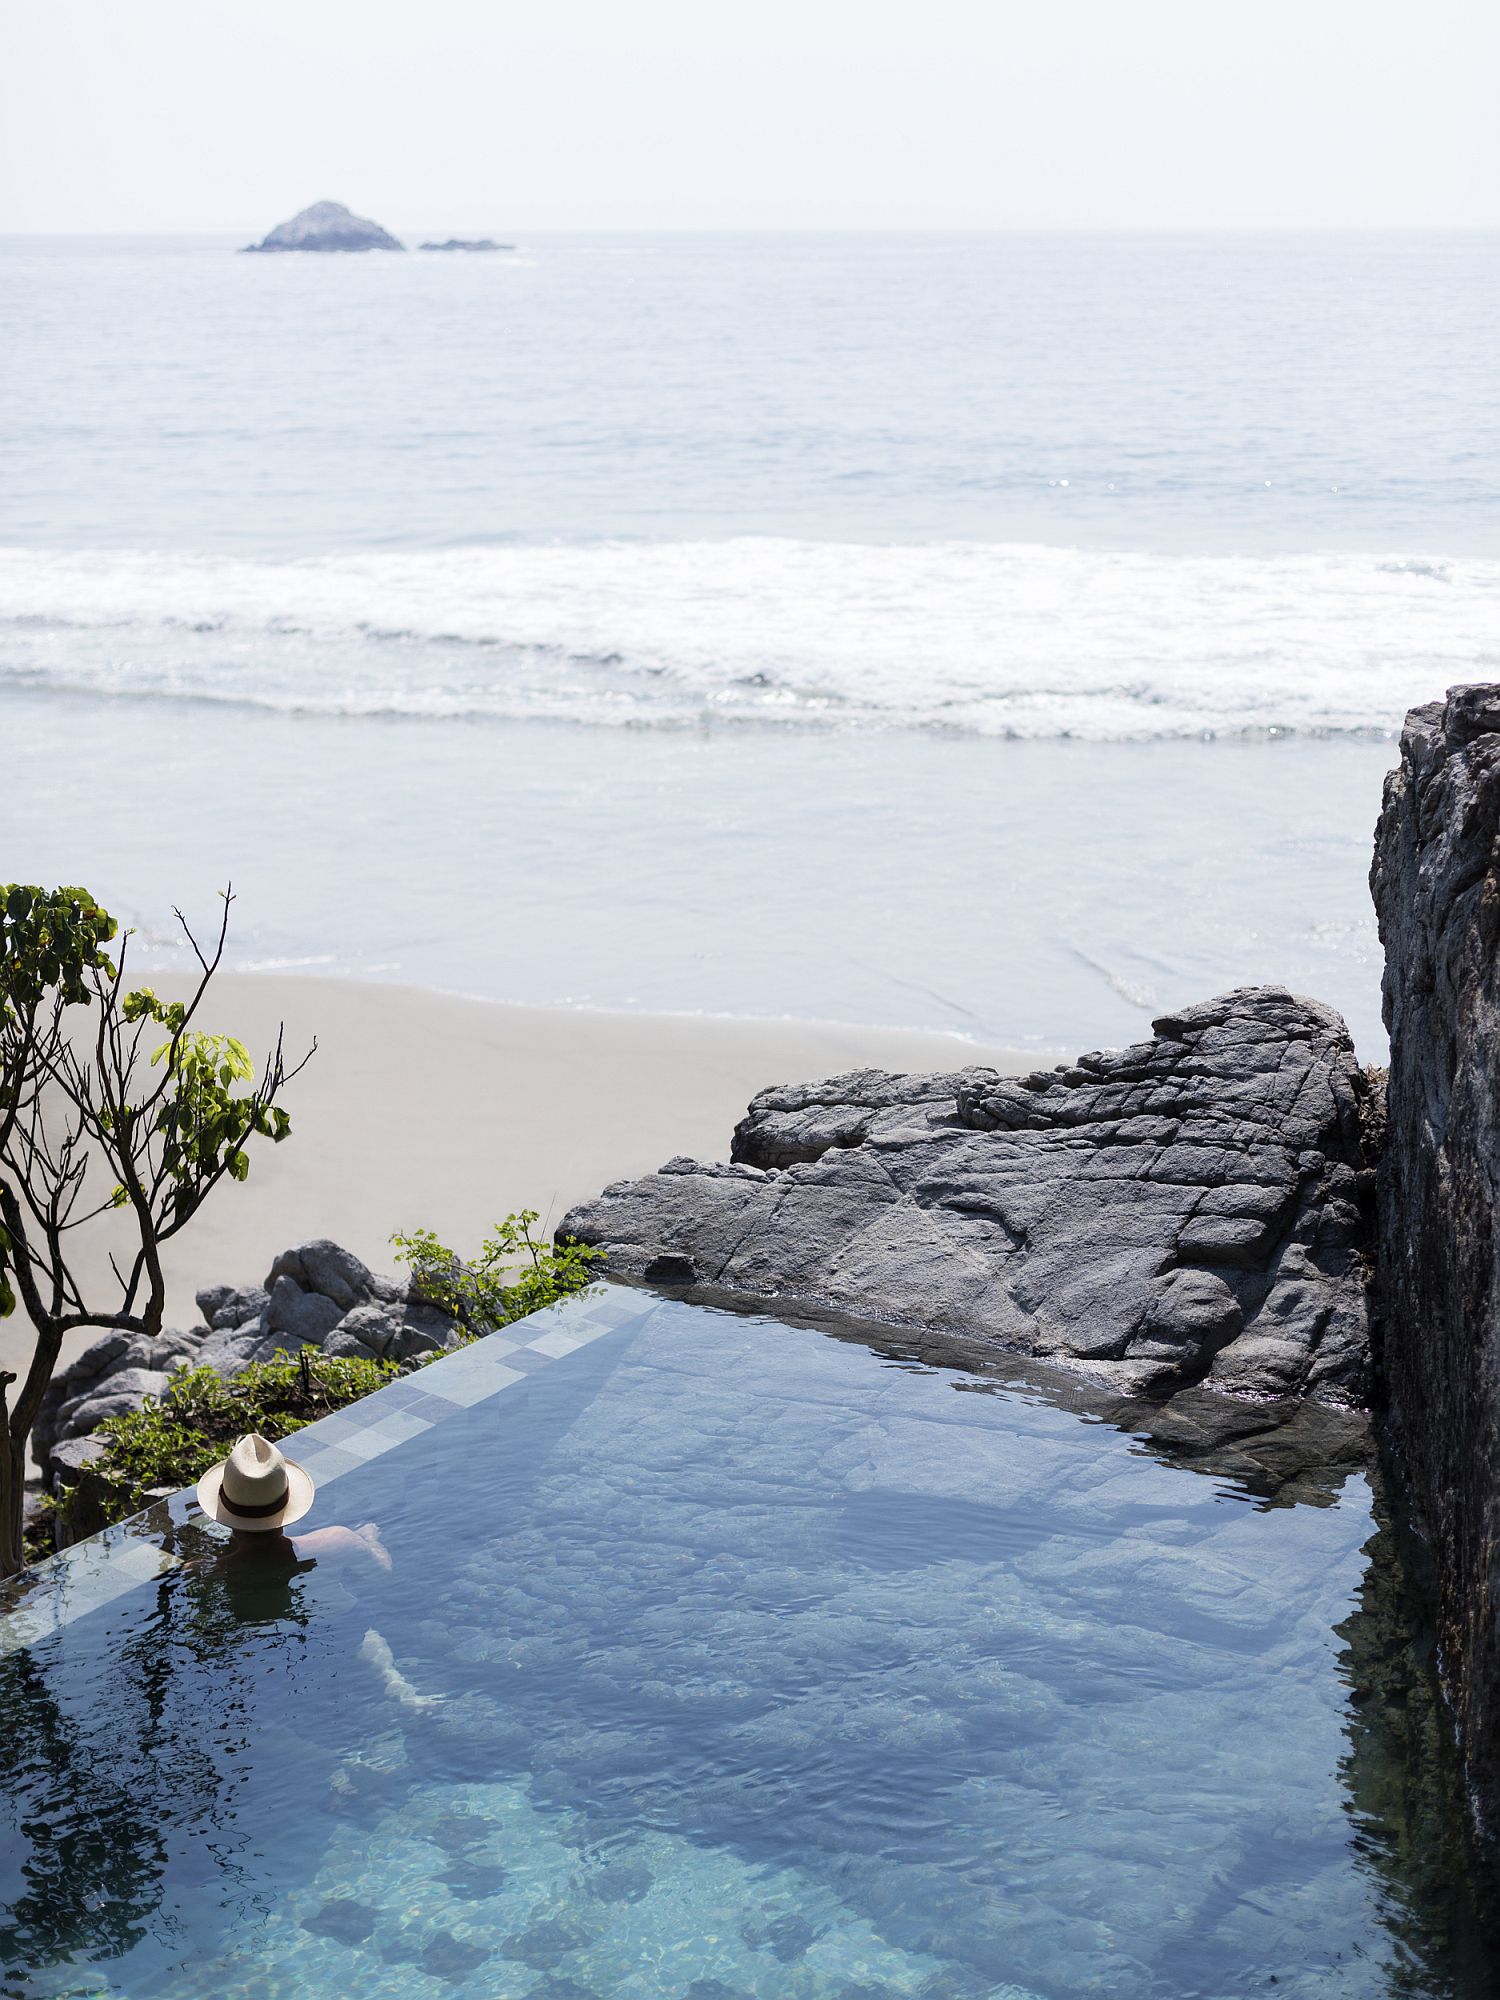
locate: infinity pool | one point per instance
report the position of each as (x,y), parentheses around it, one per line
(724,1658)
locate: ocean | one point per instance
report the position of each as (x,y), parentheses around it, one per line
(1001,633)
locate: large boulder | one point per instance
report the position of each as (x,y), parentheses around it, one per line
(1436,884)
(305,1318)
(1192,1208)
(327,225)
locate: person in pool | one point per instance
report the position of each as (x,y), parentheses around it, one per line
(258,1493)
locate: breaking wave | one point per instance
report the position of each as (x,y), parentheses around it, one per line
(983,639)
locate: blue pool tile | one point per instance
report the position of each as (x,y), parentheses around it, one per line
(467,1386)
(325,1462)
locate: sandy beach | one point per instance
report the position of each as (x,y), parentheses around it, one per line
(423,1110)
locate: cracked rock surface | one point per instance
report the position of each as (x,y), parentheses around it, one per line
(1436,884)
(1193,1208)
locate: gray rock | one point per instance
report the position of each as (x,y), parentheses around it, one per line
(69,1475)
(67,1461)
(110,1395)
(287,1265)
(327,225)
(140,1382)
(1184,1210)
(113,1366)
(97,1356)
(1436,884)
(345,1346)
(236,1305)
(95,1410)
(232,1349)
(419,1329)
(181,1342)
(210,1299)
(308,1317)
(467,243)
(167,1350)
(335,1272)
(326,1267)
(373,1326)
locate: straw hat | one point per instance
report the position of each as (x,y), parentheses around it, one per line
(255,1487)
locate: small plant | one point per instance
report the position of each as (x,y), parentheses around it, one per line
(514,1274)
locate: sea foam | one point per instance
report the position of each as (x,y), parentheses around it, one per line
(979,639)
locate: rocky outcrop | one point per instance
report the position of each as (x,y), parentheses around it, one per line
(317,1295)
(1190,1209)
(467,243)
(327,225)
(1436,883)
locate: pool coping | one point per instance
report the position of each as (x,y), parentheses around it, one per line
(93,1572)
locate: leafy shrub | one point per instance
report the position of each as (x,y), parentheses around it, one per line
(514,1274)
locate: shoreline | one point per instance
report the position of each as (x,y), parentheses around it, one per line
(1037,895)
(432,1110)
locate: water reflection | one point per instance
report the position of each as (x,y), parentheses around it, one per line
(106,1768)
(1284,1454)
(92,1854)
(1440,1900)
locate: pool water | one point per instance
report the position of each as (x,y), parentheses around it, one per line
(720,1658)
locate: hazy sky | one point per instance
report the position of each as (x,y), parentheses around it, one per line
(621,114)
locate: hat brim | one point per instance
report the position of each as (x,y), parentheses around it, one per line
(299,1498)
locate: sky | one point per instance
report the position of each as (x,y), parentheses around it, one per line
(485,115)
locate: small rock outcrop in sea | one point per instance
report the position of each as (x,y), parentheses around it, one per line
(317,1295)
(1436,884)
(1190,1209)
(467,243)
(327,225)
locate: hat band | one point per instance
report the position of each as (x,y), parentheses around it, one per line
(266,1507)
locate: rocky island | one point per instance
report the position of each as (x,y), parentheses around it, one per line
(327,225)
(467,243)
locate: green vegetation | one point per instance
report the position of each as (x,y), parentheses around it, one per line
(172,1443)
(94,1128)
(514,1274)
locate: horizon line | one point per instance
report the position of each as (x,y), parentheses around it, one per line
(857,229)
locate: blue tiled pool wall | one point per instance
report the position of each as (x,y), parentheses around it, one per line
(639,1761)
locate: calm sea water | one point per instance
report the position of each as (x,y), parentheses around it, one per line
(750,1664)
(969,590)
